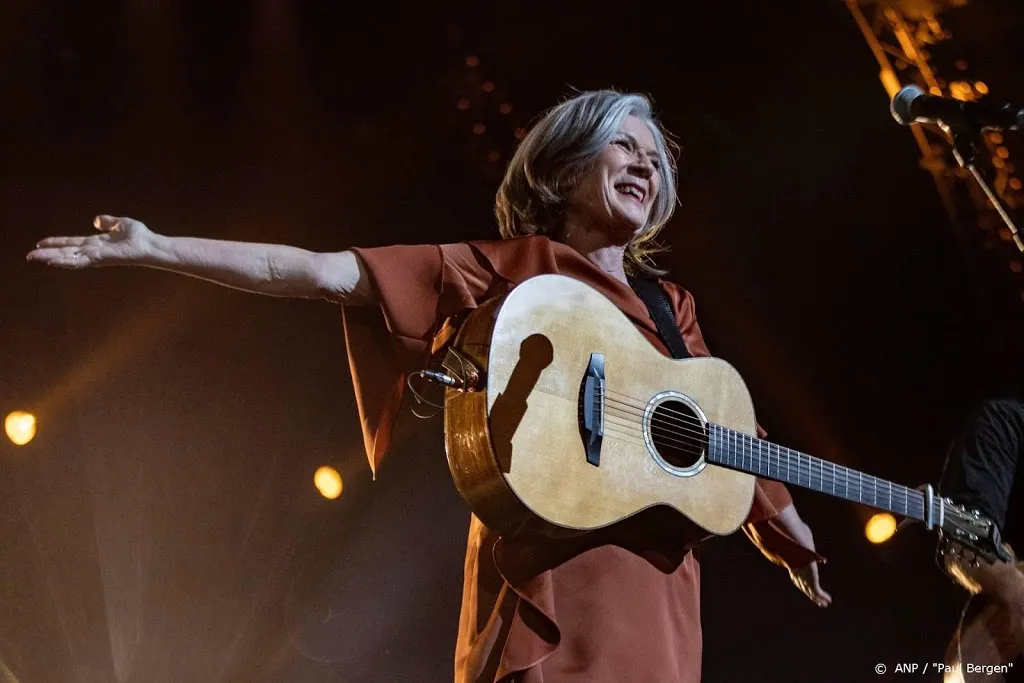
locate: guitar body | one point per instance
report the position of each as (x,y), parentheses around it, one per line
(517,443)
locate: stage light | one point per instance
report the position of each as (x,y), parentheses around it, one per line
(463,104)
(472,61)
(487,86)
(328,482)
(890,81)
(20,427)
(961,90)
(479,128)
(1015,183)
(981,88)
(505,108)
(880,527)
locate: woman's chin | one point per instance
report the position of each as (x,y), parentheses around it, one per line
(621,229)
(624,231)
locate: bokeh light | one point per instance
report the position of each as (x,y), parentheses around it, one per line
(20,427)
(880,527)
(328,482)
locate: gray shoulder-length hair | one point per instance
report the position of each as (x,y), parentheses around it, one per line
(560,149)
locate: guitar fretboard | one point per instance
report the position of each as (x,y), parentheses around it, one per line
(750,454)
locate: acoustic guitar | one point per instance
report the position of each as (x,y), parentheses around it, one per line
(562,419)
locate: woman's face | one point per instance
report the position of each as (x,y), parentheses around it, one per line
(617,193)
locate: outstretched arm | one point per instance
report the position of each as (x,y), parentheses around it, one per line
(269,269)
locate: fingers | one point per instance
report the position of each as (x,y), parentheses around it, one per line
(806,579)
(820,597)
(59,242)
(62,257)
(76,251)
(816,594)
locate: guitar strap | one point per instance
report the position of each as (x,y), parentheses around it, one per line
(660,308)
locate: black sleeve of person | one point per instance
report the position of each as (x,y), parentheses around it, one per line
(981,467)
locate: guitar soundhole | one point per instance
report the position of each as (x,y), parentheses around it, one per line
(677,433)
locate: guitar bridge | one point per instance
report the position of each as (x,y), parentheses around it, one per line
(591,411)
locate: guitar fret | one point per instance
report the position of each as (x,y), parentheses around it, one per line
(737,450)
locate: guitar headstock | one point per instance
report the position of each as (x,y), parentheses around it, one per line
(970,536)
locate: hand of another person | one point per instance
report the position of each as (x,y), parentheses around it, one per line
(120,241)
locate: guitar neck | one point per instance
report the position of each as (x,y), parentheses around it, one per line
(750,454)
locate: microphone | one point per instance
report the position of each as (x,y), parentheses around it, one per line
(912,105)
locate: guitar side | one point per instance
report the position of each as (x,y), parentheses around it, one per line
(471,459)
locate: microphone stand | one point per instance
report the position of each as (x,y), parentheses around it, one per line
(968,151)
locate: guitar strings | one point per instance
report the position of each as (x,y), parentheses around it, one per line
(840,475)
(868,491)
(692,436)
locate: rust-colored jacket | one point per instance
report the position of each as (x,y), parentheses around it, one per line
(548,612)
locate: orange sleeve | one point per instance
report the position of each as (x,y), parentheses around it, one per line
(769,496)
(417,287)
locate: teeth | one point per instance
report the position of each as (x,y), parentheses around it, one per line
(630,190)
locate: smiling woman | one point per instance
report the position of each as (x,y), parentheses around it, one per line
(584,196)
(601,149)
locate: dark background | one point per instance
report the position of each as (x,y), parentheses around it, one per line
(163,525)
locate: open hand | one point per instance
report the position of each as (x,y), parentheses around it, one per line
(120,241)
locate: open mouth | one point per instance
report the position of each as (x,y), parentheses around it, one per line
(632,191)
